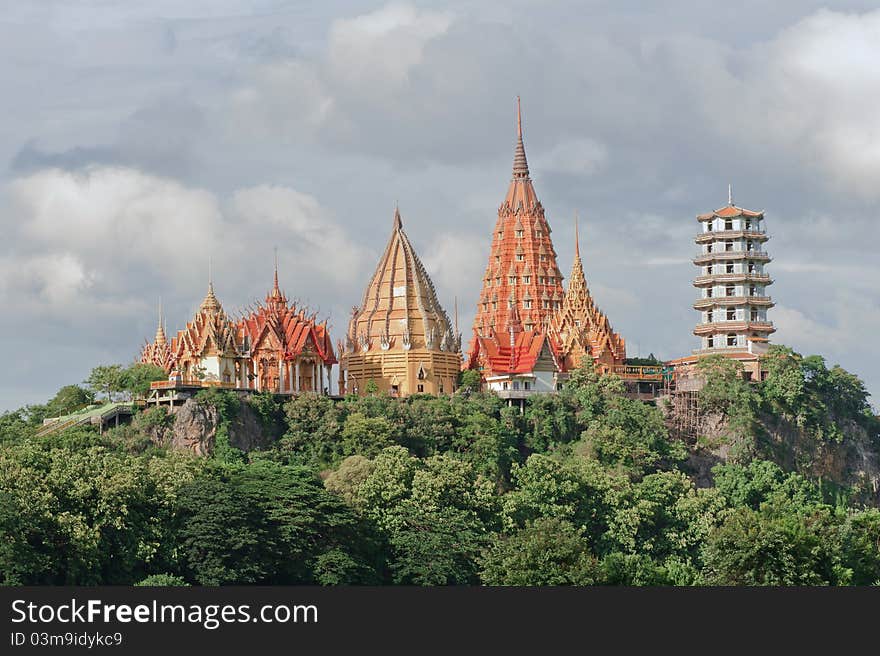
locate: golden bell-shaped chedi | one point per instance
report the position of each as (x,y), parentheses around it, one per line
(400,338)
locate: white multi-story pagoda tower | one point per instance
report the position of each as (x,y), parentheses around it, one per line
(733,301)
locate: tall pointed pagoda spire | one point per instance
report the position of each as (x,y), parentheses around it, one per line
(522,261)
(275,299)
(579,327)
(160,340)
(210,303)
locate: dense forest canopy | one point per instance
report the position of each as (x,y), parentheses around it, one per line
(583,487)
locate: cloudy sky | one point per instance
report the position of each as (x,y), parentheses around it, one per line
(138,140)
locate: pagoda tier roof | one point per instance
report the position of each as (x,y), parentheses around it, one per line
(729,211)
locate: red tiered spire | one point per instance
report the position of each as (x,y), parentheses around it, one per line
(522,261)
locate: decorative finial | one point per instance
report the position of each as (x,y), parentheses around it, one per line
(730,195)
(160,339)
(520,165)
(210,277)
(276,269)
(518,119)
(577,241)
(398,224)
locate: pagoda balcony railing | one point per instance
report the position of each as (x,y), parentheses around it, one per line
(764,301)
(722,349)
(736,276)
(734,327)
(731,255)
(760,235)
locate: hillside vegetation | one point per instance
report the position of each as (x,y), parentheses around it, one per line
(585,487)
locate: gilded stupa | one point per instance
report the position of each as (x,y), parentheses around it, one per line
(399,339)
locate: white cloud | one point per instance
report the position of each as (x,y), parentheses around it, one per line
(581,157)
(95,239)
(376,50)
(812,91)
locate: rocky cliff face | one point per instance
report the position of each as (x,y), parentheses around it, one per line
(197,423)
(853,462)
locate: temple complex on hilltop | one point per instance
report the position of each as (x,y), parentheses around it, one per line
(399,338)
(528,331)
(277,347)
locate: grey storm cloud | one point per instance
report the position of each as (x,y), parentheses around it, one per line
(140,141)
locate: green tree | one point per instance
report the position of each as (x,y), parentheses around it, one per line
(774,548)
(137,378)
(546,551)
(106,379)
(273,524)
(69,399)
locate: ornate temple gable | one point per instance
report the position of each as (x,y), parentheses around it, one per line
(285,330)
(579,327)
(400,309)
(522,267)
(211,332)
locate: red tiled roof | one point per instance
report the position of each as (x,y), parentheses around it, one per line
(728,211)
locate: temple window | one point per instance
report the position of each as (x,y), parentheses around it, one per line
(530,326)
(527,280)
(753,290)
(538,234)
(525,385)
(519,234)
(527,304)
(731,339)
(512,280)
(543,258)
(728,246)
(546,305)
(753,315)
(708,226)
(520,257)
(709,270)
(498,281)
(728,225)
(421,388)
(509,304)
(730,290)
(731,314)
(729,267)
(710,342)
(494,305)
(709,316)
(708,248)
(497,259)
(516,384)
(709,292)
(751,267)
(749,245)
(748,224)
(541,280)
